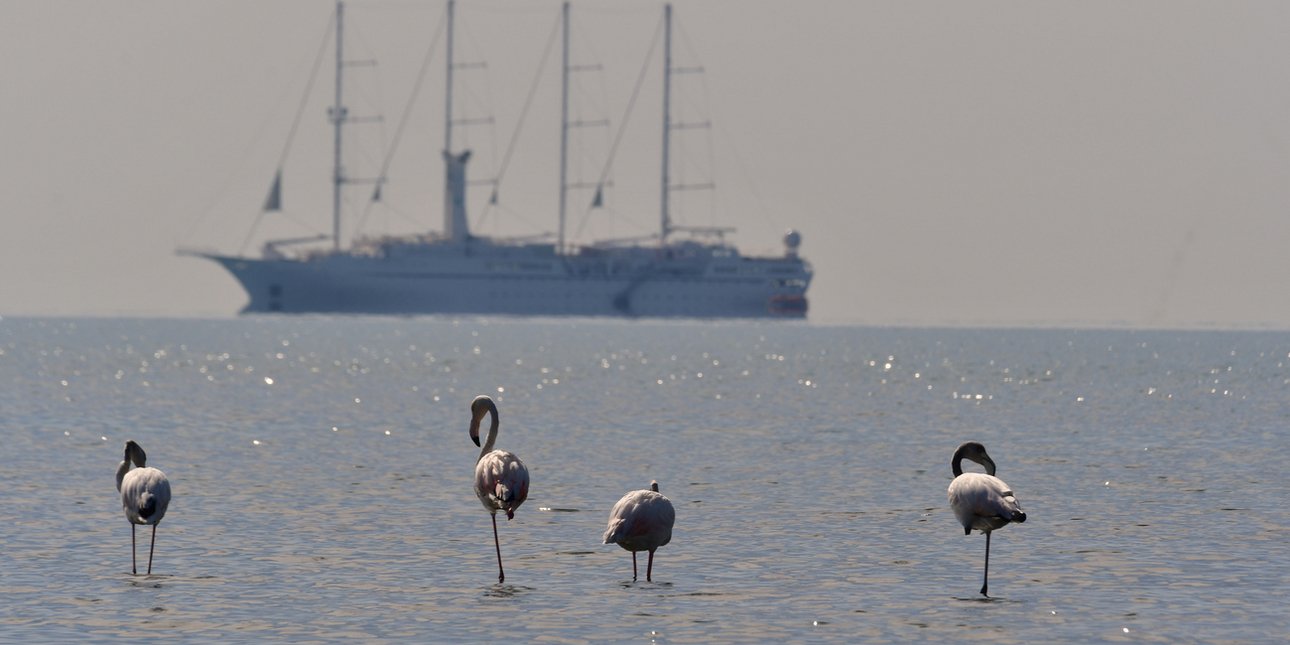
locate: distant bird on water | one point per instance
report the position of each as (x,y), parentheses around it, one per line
(641,521)
(145,494)
(501,480)
(981,501)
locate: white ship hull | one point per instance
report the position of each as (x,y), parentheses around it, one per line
(492,281)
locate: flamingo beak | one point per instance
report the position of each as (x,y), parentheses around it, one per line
(474,430)
(988,463)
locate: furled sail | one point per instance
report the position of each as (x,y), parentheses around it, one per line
(274,201)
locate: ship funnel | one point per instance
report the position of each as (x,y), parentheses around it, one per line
(455,226)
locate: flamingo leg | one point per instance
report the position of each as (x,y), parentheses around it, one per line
(501,575)
(134,568)
(649,567)
(152,548)
(633,566)
(985,579)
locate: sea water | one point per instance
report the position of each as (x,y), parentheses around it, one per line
(322,472)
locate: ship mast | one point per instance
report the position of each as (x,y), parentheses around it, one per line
(339,116)
(449,188)
(447,110)
(564,126)
(666,224)
(338,121)
(455,225)
(666,227)
(567,69)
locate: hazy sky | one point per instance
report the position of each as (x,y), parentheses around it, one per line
(946,162)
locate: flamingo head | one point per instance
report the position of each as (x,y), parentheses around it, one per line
(135,454)
(973,451)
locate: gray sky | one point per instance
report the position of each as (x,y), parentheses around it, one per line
(946,162)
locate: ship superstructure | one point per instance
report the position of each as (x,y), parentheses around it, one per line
(680,272)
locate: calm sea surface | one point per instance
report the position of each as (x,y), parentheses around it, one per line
(322,473)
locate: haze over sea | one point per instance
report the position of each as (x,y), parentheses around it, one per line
(321,472)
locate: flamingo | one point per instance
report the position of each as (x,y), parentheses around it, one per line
(145,494)
(981,501)
(501,480)
(641,521)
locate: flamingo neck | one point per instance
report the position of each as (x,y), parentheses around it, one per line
(957,462)
(492,433)
(964,452)
(120,473)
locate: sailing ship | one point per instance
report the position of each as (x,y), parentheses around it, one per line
(679,272)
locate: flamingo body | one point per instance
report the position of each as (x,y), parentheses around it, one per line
(501,479)
(501,482)
(981,501)
(145,496)
(641,521)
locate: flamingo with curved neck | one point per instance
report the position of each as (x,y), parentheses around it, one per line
(981,501)
(501,479)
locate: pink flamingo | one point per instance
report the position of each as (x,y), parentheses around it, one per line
(145,494)
(981,501)
(641,521)
(501,480)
